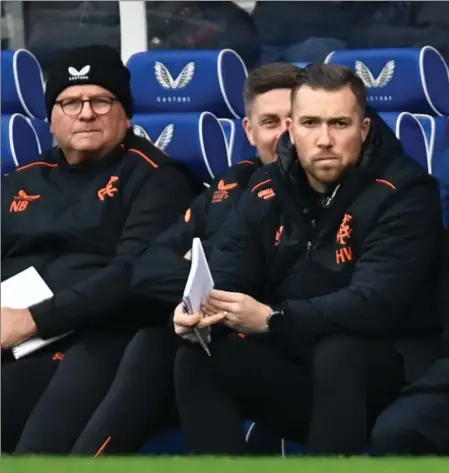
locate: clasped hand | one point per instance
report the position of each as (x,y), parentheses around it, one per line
(239,312)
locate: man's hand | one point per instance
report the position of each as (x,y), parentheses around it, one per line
(243,313)
(188,255)
(17,325)
(184,323)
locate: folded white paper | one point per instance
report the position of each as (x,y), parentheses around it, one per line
(199,283)
(20,292)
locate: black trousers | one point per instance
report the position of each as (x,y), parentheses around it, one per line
(140,402)
(47,401)
(418,422)
(329,396)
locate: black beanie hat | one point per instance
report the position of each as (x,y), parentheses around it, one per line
(98,65)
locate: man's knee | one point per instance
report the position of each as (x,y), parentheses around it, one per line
(337,357)
(187,365)
(395,434)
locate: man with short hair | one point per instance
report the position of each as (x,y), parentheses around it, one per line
(80,214)
(140,399)
(267,107)
(332,251)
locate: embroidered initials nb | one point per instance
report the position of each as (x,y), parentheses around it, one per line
(21,200)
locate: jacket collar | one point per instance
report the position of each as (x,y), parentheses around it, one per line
(88,167)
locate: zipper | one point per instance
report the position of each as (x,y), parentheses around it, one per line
(309,244)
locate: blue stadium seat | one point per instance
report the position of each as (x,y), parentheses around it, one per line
(188,81)
(22,84)
(437,134)
(44,135)
(239,148)
(169,442)
(410,131)
(20,145)
(177,84)
(194,138)
(436,130)
(414,80)
(22,94)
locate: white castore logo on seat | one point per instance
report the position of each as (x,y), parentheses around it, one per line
(385,76)
(165,137)
(165,79)
(79,75)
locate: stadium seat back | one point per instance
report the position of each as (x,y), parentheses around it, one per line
(196,139)
(188,81)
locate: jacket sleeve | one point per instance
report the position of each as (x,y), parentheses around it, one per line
(161,271)
(395,259)
(237,260)
(154,207)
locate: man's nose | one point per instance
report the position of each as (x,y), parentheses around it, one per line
(324,137)
(280,129)
(86,112)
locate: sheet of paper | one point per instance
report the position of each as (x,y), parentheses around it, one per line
(199,283)
(22,291)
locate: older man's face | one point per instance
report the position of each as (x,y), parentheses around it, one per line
(91,131)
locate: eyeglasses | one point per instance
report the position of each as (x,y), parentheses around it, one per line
(99,105)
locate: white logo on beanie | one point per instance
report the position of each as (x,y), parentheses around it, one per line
(79,75)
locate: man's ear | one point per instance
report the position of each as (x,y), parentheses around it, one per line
(366,125)
(246,123)
(289,123)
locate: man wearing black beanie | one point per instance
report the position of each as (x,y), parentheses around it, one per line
(79,215)
(99,65)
